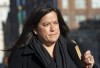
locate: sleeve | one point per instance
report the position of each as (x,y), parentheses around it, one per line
(73,54)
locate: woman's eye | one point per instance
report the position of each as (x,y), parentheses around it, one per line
(45,24)
(56,22)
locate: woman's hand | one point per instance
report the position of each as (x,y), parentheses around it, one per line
(88,59)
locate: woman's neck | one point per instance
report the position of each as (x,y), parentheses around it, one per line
(50,49)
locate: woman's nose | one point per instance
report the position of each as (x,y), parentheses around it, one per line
(52,27)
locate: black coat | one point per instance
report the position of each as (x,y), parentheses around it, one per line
(25,58)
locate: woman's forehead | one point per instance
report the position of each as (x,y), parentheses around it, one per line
(49,17)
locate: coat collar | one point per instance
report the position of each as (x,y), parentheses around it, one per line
(28,50)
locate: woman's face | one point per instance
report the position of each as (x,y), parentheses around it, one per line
(48,28)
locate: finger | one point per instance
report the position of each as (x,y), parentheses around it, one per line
(89,61)
(87,54)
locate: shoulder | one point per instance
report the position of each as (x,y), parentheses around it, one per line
(18,56)
(23,58)
(15,57)
(16,52)
(70,43)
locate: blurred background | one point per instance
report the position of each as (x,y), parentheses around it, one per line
(81,16)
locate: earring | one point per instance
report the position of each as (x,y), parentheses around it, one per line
(35,32)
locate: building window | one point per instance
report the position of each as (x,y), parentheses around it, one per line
(21,18)
(24,14)
(64,4)
(80,4)
(97,17)
(80,18)
(4,13)
(66,18)
(18,2)
(4,2)
(55,3)
(23,2)
(95,3)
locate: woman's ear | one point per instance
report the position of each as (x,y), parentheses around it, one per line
(35,32)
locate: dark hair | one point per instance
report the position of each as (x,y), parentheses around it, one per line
(33,20)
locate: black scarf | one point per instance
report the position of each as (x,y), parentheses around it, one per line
(62,59)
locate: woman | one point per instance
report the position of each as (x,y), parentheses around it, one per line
(42,43)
